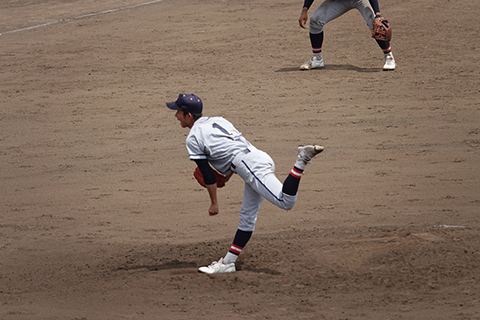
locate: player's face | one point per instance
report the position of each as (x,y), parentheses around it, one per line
(185,120)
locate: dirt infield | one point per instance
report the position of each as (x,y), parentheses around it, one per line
(101,217)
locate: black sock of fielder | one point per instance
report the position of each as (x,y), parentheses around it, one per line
(317,41)
(384,45)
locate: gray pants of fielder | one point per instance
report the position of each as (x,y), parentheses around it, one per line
(332,9)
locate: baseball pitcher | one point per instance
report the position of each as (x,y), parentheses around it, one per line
(220,151)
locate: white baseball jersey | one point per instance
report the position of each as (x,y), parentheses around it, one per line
(217,140)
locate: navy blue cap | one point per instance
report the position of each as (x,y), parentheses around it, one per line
(188,102)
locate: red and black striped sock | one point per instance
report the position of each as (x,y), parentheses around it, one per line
(239,242)
(317,41)
(290,185)
(385,46)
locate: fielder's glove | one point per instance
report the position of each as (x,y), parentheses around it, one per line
(381,29)
(221,180)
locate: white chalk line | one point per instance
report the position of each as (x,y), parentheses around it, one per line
(81,16)
(446,226)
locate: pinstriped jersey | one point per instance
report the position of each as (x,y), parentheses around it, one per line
(217,140)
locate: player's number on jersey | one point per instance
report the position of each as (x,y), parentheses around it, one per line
(219,127)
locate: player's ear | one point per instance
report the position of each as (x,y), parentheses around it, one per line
(190,119)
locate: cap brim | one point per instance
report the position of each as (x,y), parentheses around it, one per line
(173,105)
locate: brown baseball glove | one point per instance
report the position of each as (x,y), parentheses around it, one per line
(381,29)
(221,180)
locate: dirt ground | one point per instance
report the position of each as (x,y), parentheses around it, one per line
(101,217)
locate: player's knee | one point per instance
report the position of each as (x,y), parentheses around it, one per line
(288,205)
(316,26)
(285,205)
(247,224)
(288,201)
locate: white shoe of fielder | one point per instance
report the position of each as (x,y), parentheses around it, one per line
(389,62)
(314,63)
(218,267)
(306,153)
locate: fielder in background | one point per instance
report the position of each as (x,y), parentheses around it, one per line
(332,9)
(215,142)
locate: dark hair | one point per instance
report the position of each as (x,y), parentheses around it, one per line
(195,116)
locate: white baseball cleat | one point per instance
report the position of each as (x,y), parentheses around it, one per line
(389,62)
(314,63)
(307,152)
(218,267)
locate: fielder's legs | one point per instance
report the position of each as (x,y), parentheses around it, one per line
(330,10)
(368,14)
(327,11)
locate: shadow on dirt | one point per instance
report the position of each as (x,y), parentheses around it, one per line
(333,67)
(174,264)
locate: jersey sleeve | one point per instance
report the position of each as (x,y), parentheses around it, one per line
(375,6)
(195,148)
(307,3)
